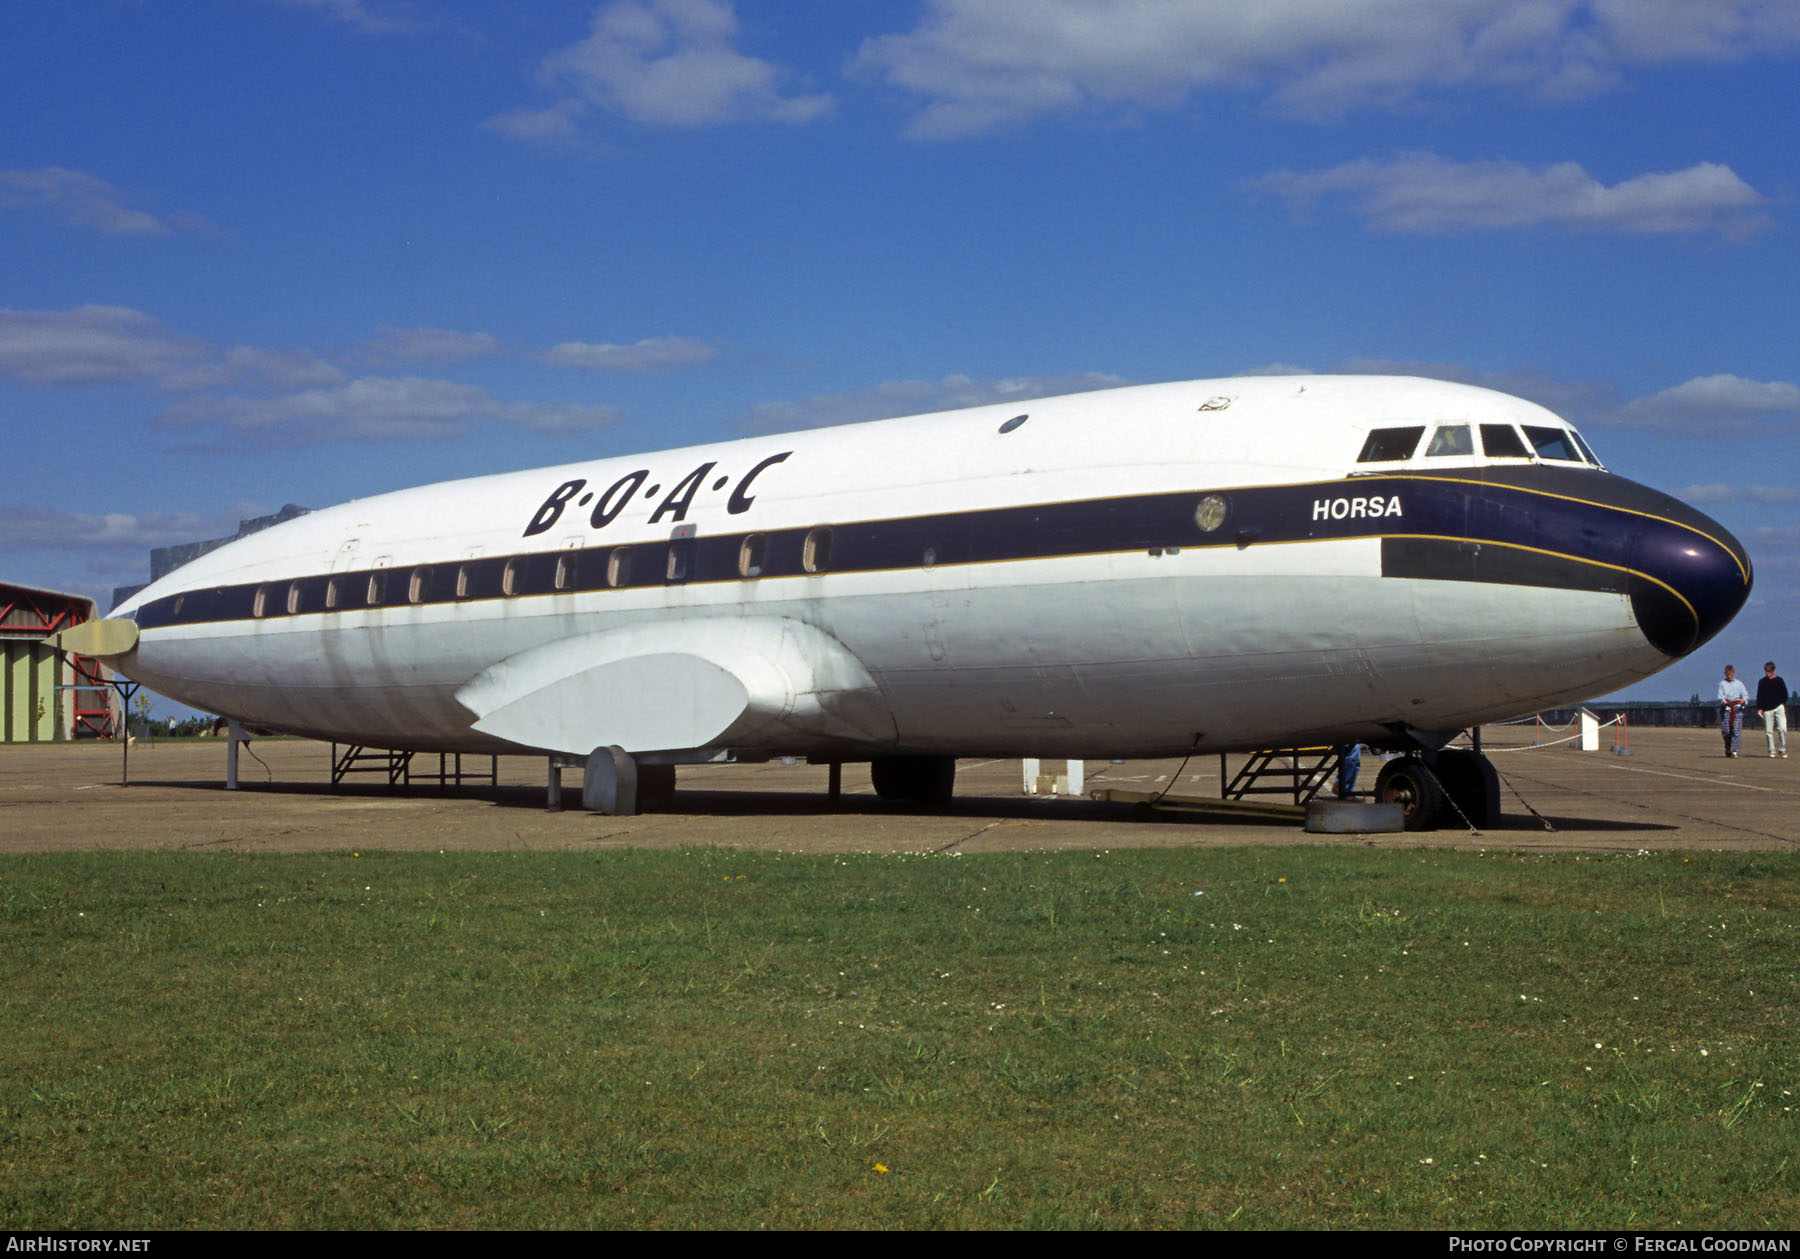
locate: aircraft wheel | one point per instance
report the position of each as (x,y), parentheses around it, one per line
(1409,783)
(1471,784)
(655,788)
(914,779)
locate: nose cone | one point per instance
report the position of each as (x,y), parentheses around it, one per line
(1689,576)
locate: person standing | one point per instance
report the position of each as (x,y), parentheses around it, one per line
(1771,706)
(1732,697)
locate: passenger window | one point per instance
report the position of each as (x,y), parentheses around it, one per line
(1450,439)
(565,571)
(817,556)
(618,566)
(1388,445)
(750,556)
(293,597)
(1553,443)
(334,593)
(260,606)
(1501,441)
(418,590)
(509,577)
(681,552)
(377,587)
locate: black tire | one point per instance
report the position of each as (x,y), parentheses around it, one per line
(914,779)
(1409,783)
(1469,780)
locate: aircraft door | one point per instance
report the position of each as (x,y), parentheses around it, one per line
(680,564)
(346,558)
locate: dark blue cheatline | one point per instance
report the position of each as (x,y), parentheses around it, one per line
(1579,530)
(1686,587)
(1566,528)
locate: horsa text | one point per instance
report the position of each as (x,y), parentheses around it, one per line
(1355,508)
(615,498)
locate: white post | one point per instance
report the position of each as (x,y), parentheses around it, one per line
(234,735)
(1590,732)
(1031,764)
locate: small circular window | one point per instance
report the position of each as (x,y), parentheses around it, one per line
(1013,423)
(1209,514)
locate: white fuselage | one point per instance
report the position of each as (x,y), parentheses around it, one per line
(985,589)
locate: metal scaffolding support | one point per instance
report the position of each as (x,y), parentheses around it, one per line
(357,759)
(399,768)
(1303,776)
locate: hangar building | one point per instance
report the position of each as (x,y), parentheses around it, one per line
(43,696)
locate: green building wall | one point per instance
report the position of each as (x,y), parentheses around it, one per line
(33,707)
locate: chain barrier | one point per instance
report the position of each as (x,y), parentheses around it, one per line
(1618,720)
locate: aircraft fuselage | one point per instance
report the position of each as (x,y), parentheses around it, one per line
(1148,571)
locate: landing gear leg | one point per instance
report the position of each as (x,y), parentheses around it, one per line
(610,782)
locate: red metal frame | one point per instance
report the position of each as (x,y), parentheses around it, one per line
(46,623)
(91,689)
(91,702)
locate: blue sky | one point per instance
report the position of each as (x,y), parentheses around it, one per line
(255,252)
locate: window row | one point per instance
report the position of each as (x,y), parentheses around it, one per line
(669,563)
(1497,441)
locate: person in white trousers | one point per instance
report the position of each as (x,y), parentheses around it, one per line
(1771,706)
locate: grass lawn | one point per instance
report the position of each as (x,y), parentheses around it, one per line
(1253,1038)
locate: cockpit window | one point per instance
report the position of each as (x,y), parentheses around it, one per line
(1501,441)
(1450,439)
(1553,443)
(1387,445)
(1586,449)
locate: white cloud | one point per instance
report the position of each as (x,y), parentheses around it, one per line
(1276,369)
(1651,31)
(27,529)
(1571,399)
(649,355)
(556,125)
(1719,492)
(977,64)
(377,408)
(78,198)
(91,344)
(384,19)
(1714,405)
(1704,406)
(117,345)
(243,364)
(1775,550)
(91,553)
(429,345)
(670,63)
(1420,193)
(109,344)
(914,397)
